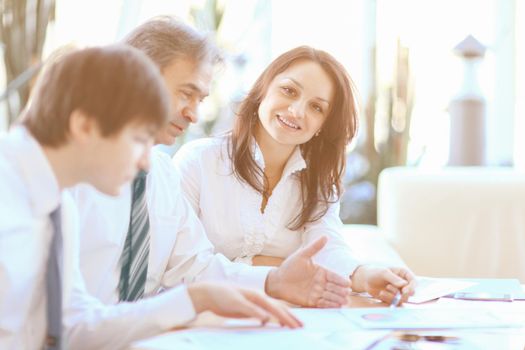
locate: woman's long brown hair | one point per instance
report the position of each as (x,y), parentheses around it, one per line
(324,154)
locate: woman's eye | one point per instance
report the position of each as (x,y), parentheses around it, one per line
(288,91)
(317,108)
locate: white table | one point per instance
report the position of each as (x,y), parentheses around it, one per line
(326,329)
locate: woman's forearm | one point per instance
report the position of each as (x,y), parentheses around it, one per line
(263,260)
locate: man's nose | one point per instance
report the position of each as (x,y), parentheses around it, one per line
(190,113)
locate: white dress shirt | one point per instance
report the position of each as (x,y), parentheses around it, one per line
(230,209)
(29,192)
(179,252)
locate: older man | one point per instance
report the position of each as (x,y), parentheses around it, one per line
(130,253)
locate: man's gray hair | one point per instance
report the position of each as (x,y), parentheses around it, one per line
(166,38)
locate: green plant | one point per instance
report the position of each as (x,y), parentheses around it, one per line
(383,140)
(208,19)
(23,27)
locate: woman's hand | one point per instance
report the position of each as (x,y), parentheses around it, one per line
(383,283)
(264,260)
(302,282)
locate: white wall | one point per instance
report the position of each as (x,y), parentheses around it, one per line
(501,117)
(519,111)
(338,27)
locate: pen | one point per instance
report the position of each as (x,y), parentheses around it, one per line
(396,300)
(412,337)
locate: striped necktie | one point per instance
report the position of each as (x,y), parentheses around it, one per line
(54,285)
(134,258)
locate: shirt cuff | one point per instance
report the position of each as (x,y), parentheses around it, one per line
(254,277)
(342,264)
(175,307)
(350,268)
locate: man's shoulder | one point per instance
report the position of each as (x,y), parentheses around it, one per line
(92,204)
(161,165)
(163,176)
(86,193)
(11,183)
(14,201)
(203,148)
(158,156)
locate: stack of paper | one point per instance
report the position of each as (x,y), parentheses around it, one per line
(261,339)
(323,329)
(494,286)
(433,288)
(432,318)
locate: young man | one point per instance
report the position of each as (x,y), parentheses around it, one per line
(176,248)
(92,118)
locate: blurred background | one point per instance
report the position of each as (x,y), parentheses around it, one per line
(440,82)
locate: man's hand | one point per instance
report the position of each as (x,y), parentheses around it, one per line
(302,282)
(383,283)
(229,301)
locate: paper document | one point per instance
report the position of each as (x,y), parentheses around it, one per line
(433,318)
(429,288)
(510,311)
(322,319)
(357,339)
(494,285)
(216,339)
(326,329)
(226,339)
(313,319)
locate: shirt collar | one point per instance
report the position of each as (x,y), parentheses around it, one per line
(35,171)
(295,163)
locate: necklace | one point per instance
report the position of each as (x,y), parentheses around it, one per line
(267,191)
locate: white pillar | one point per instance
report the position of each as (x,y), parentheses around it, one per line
(519,81)
(500,126)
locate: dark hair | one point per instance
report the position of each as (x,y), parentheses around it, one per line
(324,154)
(165,38)
(115,85)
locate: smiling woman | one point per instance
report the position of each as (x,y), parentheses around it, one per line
(286,156)
(302,93)
(295,107)
(292,112)
(273,183)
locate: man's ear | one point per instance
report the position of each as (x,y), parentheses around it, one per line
(81,127)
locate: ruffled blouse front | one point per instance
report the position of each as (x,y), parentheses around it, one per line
(230,210)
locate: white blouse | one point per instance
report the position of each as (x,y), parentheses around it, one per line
(230,209)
